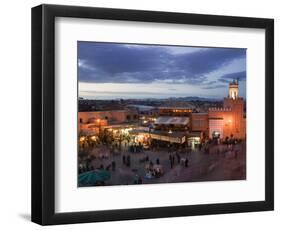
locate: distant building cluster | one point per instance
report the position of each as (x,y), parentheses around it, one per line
(172,124)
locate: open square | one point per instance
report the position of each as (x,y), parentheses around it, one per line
(160,114)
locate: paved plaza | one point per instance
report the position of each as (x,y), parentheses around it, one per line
(222,162)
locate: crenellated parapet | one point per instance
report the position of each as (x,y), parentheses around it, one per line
(219,109)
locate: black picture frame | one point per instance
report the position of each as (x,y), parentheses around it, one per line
(43,110)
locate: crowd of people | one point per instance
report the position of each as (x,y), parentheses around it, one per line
(153,170)
(147,164)
(176,158)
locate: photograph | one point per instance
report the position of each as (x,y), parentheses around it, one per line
(152,114)
(142,113)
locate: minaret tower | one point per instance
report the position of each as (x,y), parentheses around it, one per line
(233,90)
(237,126)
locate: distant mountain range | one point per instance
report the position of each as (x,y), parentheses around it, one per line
(190,98)
(194,99)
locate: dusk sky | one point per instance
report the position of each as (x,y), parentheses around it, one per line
(115,70)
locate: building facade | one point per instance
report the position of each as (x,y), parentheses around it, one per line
(222,122)
(90,123)
(173,124)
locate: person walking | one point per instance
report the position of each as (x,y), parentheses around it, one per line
(128,161)
(157,161)
(186,162)
(147,158)
(113,165)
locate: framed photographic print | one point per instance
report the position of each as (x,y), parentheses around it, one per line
(141,114)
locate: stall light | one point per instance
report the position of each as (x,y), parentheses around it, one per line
(94,138)
(140,138)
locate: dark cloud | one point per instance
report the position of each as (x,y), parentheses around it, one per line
(115,58)
(213,87)
(211,82)
(208,60)
(117,63)
(222,80)
(241,76)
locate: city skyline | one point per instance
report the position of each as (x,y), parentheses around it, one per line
(133,71)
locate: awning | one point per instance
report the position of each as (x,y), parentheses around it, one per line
(170,139)
(175,137)
(172,121)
